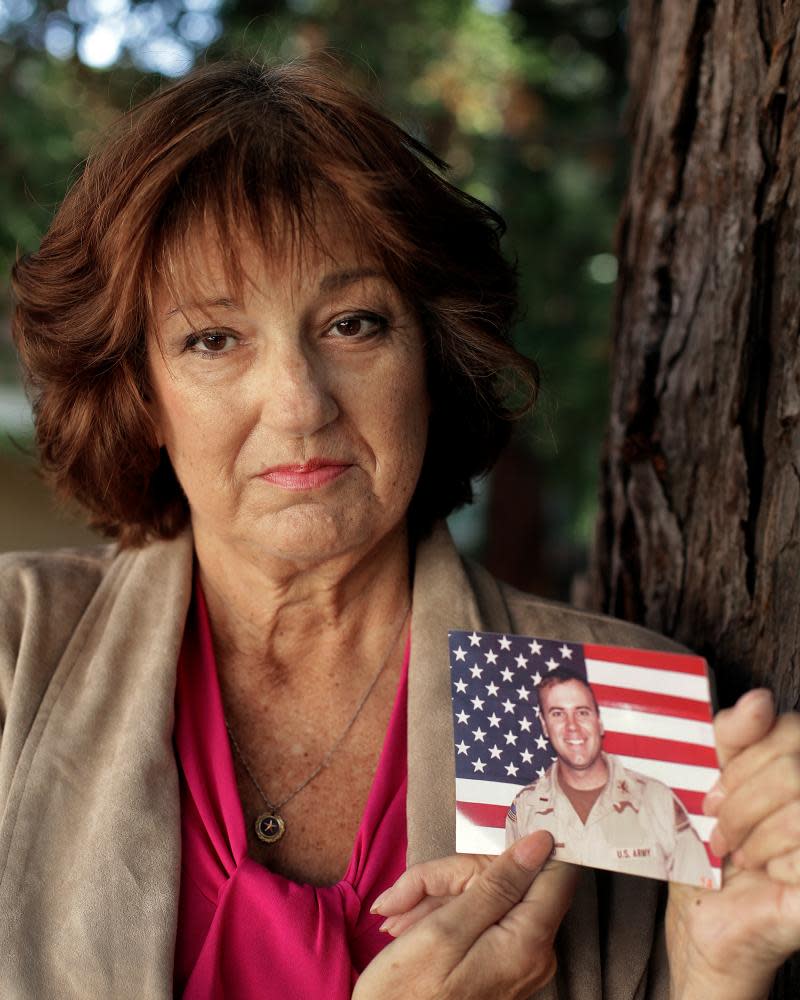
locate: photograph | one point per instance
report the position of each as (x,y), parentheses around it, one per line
(609,749)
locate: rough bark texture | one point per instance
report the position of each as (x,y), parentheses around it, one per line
(699,530)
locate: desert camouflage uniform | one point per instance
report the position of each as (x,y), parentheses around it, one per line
(637,825)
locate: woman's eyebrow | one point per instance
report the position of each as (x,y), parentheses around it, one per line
(182,306)
(338,279)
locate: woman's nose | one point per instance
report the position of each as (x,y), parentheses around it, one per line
(297,397)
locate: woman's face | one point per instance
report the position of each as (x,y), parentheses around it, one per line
(295,416)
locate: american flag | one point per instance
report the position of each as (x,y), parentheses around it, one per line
(655,708)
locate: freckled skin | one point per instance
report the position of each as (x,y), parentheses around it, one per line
(289,374)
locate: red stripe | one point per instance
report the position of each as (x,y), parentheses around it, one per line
(483,814)
(692,801)
(715,861)
(656,749)
(678,662)
(647,701)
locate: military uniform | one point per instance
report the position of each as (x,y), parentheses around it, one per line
(637,825)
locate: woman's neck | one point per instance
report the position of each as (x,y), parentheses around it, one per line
(280,627)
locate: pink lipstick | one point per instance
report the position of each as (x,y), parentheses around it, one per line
(307,476)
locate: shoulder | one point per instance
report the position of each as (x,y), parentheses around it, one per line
(542,786)
(539,616)
(650,790)
(42,598)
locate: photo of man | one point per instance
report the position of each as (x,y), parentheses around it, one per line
(599,812)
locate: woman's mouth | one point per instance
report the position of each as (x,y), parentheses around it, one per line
(306,476)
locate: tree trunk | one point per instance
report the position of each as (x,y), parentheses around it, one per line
(699,528)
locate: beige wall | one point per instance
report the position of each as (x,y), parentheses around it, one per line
(29,518)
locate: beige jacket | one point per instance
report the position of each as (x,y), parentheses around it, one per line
(89,806)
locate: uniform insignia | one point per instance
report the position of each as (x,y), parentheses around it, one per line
(512,812)
(544,812)
(622,787)
(620,807)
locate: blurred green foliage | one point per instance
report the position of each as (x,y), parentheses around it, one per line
(524,102)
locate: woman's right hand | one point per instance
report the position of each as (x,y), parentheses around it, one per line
(489,936)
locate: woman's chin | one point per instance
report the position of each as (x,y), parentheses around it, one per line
(308,534)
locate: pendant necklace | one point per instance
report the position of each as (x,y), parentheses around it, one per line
(270,825)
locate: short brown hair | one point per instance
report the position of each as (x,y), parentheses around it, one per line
(563,675)
(243,144)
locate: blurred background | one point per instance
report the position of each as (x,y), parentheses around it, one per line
(523,98)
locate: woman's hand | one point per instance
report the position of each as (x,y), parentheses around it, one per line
(730,943)
(472,927)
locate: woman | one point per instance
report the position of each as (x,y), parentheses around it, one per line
(267,345)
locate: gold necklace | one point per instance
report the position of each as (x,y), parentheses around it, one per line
(270,825)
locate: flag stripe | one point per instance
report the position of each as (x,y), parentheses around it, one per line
(653,748)
(646,679)
(623,720)
(677,662)
(648,701)
(694,778)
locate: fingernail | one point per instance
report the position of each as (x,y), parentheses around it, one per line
(379,901)
(386,926)
(713,799)
(717,843)
(758,698)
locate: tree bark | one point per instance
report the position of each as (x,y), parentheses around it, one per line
(699,528)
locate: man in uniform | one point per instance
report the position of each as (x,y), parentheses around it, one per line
(600,813)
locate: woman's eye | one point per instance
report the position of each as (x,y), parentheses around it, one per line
(213,342)
(362,326)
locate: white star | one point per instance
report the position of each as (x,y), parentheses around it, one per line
(538,711)
(511,738)
(566,652)
(551,664)
(554,759)
(507,675)
(527,756)
(495,752)
(540,772)
(494,720)
(463,718)
(460,654)
(476,671)
(505,642)
(521,661)
(525,725)
(461,686)
(522,693)
(537,679)
(491,657)
(511,770)
(478,734)
(477,703)
(478,765)
(509,706)
(541,743)
(534,647)
(474,639)
(492,689)
(462,747)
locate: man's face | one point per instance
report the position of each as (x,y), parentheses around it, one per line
(571,723)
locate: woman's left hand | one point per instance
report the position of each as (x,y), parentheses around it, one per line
(729,943)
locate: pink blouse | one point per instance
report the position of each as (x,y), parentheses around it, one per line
(244,931)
